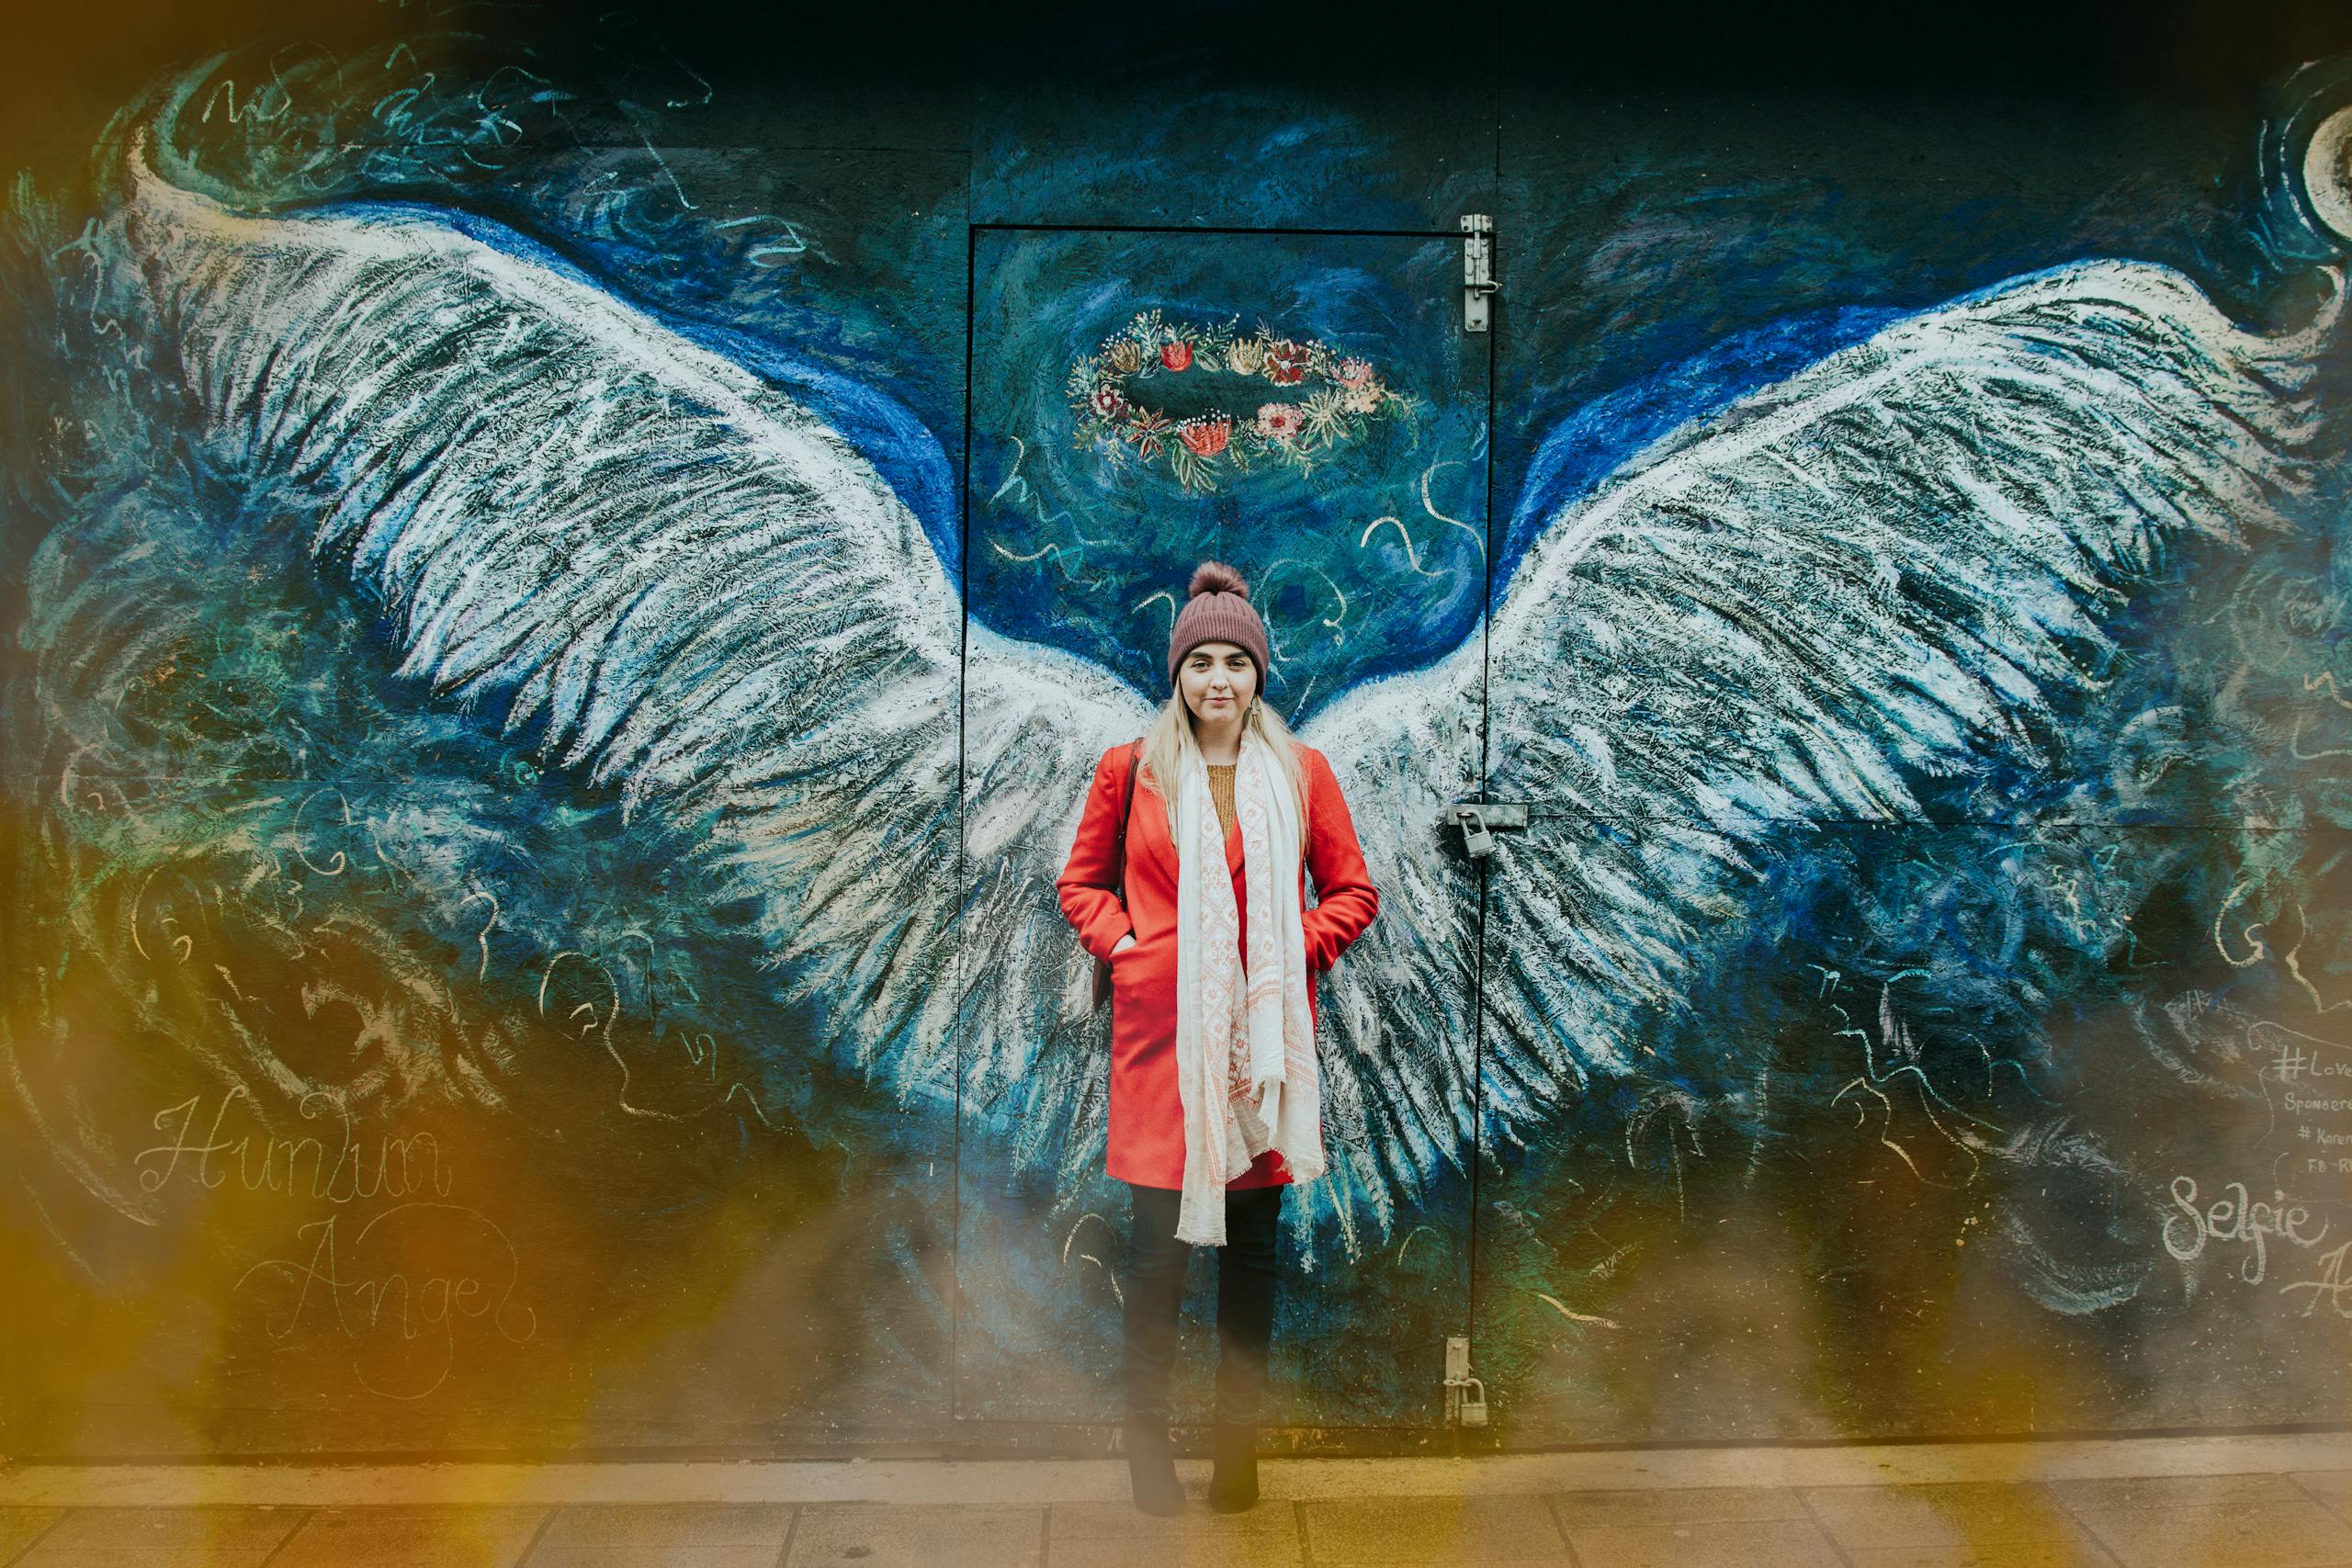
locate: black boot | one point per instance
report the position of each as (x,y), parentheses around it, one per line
(1155,1290)
(1245,1321)
(1151,1466)
(1233,1485)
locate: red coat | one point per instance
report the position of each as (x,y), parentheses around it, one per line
(1147,1132)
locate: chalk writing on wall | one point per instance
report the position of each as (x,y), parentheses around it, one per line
(393,1265)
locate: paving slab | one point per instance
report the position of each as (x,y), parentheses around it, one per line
(2081,1552)
(654,1557)
(2300,1534)
(19,1527)
(2332,1487)
(414,1552)
(1273,1519)
(1116,1535)
(1696,1505)
(914,1536)
(667,1525)
(1746,1543)
(2226,1491)
(1405,1530)
(1202,1551)
(411,1537)
(1962,1513)
(45,1556)
(221,1528)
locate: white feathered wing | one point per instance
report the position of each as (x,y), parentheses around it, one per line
(703,595)
(1764,620)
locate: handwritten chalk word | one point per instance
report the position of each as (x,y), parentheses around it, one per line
(403,1166)
(2234,1220)
(2294,1062)
(2334,1285)
(432,1299)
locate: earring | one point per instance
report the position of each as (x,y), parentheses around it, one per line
(1253,707)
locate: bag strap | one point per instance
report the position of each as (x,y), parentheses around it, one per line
(1127,809)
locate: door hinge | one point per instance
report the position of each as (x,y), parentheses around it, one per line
(1477,269)
(1477,819)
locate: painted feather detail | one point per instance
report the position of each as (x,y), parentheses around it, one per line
(684,585)
(1864,569)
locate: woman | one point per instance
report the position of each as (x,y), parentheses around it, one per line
(1214,1088)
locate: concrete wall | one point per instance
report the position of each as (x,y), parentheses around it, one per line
(566,572)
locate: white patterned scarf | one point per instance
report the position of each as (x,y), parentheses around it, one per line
(1245,1045)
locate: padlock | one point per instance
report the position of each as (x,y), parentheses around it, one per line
(1474,831)
(1473,1408)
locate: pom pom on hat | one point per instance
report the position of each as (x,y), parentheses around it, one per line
(1218,610)
(1216,577)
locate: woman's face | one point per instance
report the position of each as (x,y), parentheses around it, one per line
(1217,678)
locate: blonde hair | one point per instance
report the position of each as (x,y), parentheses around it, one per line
(1168,746)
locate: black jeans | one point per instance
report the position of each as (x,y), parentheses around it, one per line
(1245,1298)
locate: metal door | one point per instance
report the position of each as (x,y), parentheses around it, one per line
(1312,408)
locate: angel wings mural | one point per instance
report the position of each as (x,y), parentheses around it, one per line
(650,564)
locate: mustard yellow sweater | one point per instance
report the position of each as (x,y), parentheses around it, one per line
(1221,792)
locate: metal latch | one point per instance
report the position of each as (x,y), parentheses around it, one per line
(1477,819)
(1477,269)
(1461,1404)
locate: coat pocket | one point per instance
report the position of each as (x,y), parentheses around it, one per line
(1127,969)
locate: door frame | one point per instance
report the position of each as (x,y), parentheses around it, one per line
(973,231)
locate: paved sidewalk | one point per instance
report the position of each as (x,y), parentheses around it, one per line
(2155,1502)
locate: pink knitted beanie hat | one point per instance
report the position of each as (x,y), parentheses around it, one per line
(1218,611)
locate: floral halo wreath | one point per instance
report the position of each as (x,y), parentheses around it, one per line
(1111,390)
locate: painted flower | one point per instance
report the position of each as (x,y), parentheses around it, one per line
(1280,421)
(1108,403)
(1285,362)
(1126,357)
(1145,430)
(1245,357)
(1353,372)
(1176,354)
(1365,398)
(1205,436)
